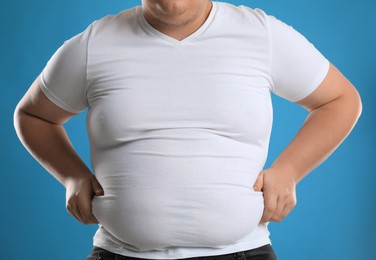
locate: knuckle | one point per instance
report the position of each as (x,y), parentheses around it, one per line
(287,194)
(89,221)
(86,217)
(70,207)
(290,199)
(290,203)
(71,200)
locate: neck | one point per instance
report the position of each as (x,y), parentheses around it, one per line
(178,22)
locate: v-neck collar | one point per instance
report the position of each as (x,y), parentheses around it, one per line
(170,39)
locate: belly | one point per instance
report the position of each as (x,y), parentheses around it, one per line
(162,193)
(186,215)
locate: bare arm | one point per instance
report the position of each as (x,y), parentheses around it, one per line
(334,108)
(39,126)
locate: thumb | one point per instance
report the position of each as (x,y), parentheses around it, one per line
(259,182)
(98,190)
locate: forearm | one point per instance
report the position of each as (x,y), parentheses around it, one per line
(323,131)
(49,144)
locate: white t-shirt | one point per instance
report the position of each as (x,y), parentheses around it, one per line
(179,130)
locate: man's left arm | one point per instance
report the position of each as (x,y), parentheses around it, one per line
(334,108)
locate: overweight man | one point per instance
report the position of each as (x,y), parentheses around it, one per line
(179,116)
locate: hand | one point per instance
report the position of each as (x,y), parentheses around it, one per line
(79,194)
(279,194)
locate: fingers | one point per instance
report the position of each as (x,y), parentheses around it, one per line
(79,213)
(81,209)
(79,195)
(286,210)
(270,205)
(277,208)
(84,206)
(259,183)
(279,191)
(97,188)
(288,202)
(277,215)
(72,211)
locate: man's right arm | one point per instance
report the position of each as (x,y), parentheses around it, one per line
(39,125)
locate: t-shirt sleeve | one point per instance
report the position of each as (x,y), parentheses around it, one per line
(297,67)
(63,79)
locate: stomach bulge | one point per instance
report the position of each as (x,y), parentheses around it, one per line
(160,218)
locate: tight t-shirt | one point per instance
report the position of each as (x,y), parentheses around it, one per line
(179,130)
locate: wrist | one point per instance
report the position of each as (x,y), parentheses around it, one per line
(76,177)
(287,170)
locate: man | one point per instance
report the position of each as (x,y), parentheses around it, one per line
(179,120)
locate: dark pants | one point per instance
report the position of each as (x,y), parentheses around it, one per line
(261,253)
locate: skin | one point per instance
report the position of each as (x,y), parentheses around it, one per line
(176,18)
(334,108)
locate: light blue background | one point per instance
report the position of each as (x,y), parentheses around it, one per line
(336,210)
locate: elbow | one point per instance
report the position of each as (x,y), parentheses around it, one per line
(17,118)
(350,106)
(358,104)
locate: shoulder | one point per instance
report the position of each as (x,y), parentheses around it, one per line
(113,22)
(243,14)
